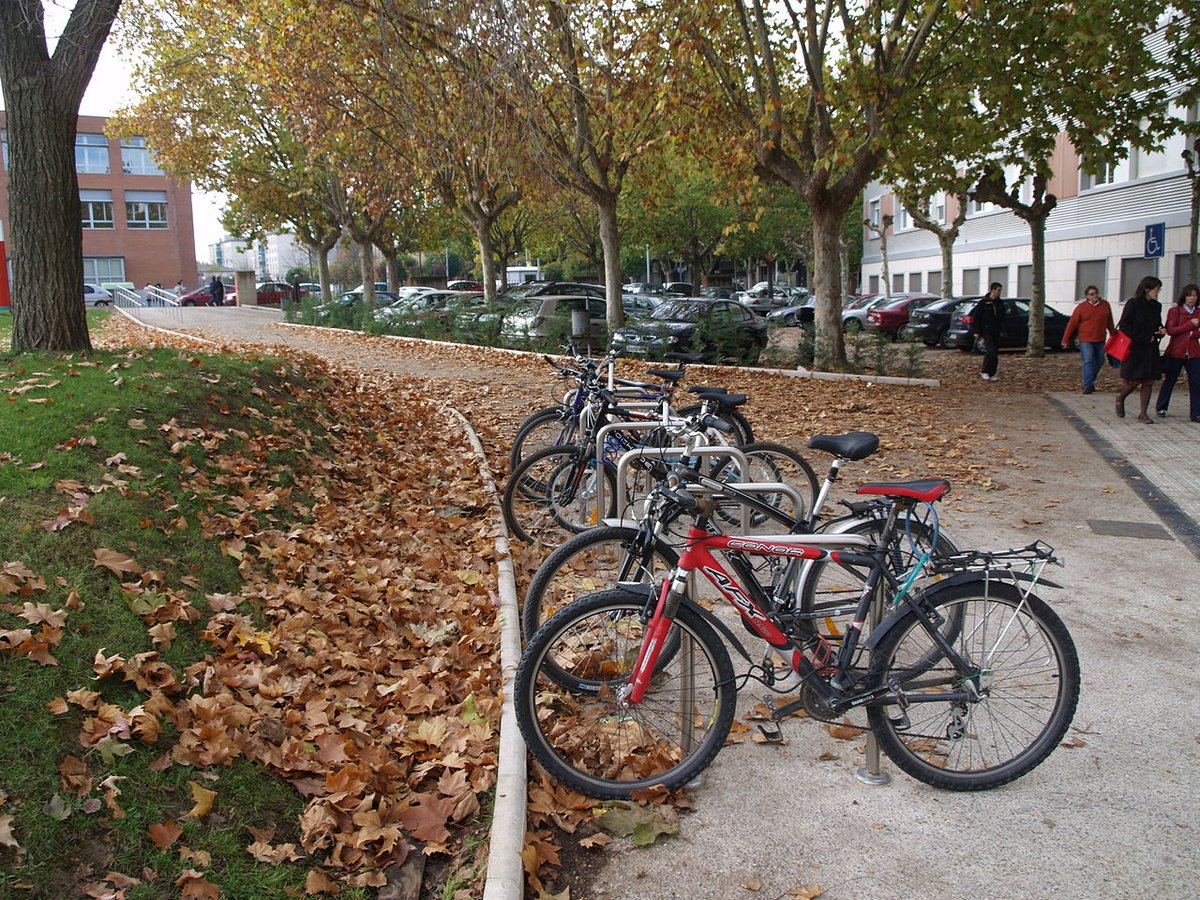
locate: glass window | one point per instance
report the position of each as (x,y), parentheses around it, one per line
(1024,281)
(914,281)
(1090,271)
(970,282)
(1133,271)
(96,209)
(4,141)
(1000,274)
(903,220)
(934,280)
(1183,274)
(136,159)
(146,209)
(101,269)
(874,214)
(874,282)
(897,284)
(937,207)
(91,154)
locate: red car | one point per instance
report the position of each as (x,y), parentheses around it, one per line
(270,293)
(889,317)
(203,297)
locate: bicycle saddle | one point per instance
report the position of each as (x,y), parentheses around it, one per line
(683,357)
(702,389)
(925,491)
(724,399)
(666,374)
(854,445)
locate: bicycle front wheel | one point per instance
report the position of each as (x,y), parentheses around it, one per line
(582,729)
(553,493)
(593,561)
(550,427)
(1024,674)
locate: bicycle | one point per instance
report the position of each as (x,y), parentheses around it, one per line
(970,681)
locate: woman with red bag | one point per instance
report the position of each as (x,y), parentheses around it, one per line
(1183,352)
(1141,321)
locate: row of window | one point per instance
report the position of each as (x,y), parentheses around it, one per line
(91,155)
(145,210)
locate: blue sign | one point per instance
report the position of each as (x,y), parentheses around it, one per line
(1156,240)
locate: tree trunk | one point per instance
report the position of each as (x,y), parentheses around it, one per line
(366,265)
(946,240)
(843,260)
(829,352)
(392,266)
(610,240)
(487,257)
(1194,241)
(1037,309)
(323,273)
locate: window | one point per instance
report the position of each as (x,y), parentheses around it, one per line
(91,154)
(103,269)
(96,208)
(937,208)
(874,281)
(914,281)
(1024,281)
(903,220)
(1094,175)
(975,207)
(934,281)
(897,284)
(1090,271)
(4,141)
(1183,275)
(1000,274)
(262,258)
(136,159)
(1133,271)
(146,209)
(970,282)
(874,216)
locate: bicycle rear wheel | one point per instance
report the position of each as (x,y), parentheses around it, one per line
(1024,667)
(580,728)
(768,462)
(553,493)
(550,427)
(593,561)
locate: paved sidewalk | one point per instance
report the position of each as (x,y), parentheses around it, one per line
(1154,460)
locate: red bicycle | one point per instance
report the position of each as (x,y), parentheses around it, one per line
(968,682)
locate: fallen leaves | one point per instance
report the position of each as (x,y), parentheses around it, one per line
(164,834)
(645,824)
(117,563)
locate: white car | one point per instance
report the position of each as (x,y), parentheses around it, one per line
(94,295)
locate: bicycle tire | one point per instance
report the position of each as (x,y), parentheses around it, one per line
(549,427)
(546,496)
(1029,673)
(583,735)
(594,560)
(768,462)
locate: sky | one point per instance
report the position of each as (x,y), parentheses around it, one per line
(109,89)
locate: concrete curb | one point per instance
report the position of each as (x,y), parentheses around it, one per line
(180,334)
(505,874)
(798,372)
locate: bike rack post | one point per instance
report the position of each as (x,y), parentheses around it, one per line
(601,434)
(629,456)
(869,773)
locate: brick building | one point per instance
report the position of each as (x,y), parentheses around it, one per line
(137,222)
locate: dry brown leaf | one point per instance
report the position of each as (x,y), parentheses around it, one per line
(194,886)
(6,835)
(117,563)
(596,840)
(164,834)
(203,798)
(317,883)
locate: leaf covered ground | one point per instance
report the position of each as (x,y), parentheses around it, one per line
(247,634)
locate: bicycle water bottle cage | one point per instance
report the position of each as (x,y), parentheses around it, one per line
(854,445)
(924,491)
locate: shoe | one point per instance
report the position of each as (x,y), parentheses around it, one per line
(1146,420)
(1089,390)
(1119,407)
(1161,413)
(1196,418)
(985,376)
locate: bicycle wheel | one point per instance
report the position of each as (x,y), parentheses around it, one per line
(592,561)
(553,493)
(768,462)
(1026,671)
(549,427)
(583,732)
(826,589)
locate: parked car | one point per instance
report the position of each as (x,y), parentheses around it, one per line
(464,285)
(888,318)
(638,306)
(94,295)
(642,287)
(715,328)
(268,293)
(794,315)
(678,288)
(931,322)
(758,299)
(416,308)
(547,288)
(345,305)
(716,293)
(1016,326)
(203,297)
(549,318)
(854,317)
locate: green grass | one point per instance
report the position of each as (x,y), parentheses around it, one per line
(97,407)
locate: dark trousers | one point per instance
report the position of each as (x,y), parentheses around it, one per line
(991,353)
(1173,367)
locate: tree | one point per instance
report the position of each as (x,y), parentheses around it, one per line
(42,93)
(946,234)
(815,90)
(885,225)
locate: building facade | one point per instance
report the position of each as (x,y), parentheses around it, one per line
(271,257)
(1111,227)
(137,222)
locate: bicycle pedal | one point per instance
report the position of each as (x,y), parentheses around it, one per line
(771,732)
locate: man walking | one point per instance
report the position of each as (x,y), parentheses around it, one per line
(1093,319)
(987,323)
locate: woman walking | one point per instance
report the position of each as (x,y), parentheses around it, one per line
(1183,352)
(1141,321)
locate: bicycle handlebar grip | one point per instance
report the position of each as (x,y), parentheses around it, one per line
(718,424)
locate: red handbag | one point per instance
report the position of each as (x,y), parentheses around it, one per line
(1118,346)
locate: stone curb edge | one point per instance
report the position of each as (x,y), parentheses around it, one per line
(190,337)
(505,871)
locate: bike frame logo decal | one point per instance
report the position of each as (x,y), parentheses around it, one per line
(734,594)
(773,549)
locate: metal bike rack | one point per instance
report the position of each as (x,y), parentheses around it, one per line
(869,772)
(629,456)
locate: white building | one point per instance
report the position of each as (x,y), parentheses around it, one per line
(270,258)
(1105,231)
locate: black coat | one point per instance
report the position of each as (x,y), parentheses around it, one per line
(1139,320)
(988,317)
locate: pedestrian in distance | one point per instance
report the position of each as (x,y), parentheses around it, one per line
(1093,320)
(179,288)
(147,294)
(987,324)
(1141,321)
(216,291)
(1183,351)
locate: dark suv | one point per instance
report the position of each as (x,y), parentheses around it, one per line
(1016,326)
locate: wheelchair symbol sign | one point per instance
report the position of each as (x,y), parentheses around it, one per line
(1156,240)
